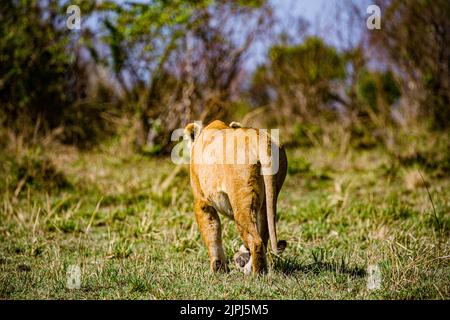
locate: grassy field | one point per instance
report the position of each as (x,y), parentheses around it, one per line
(126,220)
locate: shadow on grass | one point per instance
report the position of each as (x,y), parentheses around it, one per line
(291,265)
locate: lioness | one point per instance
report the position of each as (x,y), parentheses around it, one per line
(237,181)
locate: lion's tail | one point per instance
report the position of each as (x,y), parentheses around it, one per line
(271,208)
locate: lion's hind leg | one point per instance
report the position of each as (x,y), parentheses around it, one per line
(209,224)
(245,216)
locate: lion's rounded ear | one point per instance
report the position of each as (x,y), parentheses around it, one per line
(191,131)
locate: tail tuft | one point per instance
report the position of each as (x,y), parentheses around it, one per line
(281,245)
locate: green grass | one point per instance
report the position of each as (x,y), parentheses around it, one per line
(128,224)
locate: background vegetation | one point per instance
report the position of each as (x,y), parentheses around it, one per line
(85,123)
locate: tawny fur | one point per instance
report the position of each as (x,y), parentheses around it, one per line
(238,191)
